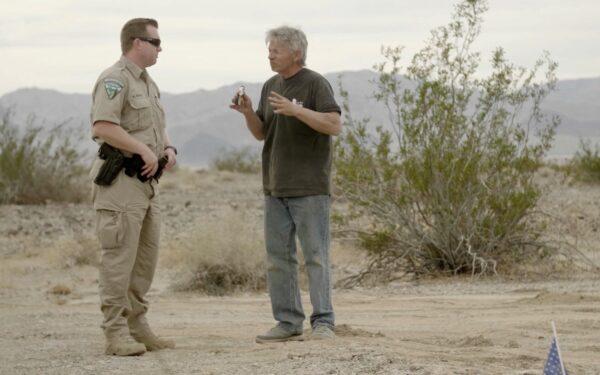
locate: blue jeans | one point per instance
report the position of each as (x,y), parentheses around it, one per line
(307,217)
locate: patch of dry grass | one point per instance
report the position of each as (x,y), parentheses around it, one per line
(244,160)
(573,222)
(188,180)
(78,250)
(181,178)
(223,255)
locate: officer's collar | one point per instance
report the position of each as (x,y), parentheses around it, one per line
(133,68)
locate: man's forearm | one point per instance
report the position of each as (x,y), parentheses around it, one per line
(255,125)
(117,137)
(326,123)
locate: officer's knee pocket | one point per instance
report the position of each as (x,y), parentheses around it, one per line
(110,228)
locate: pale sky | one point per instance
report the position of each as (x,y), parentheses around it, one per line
(64,45)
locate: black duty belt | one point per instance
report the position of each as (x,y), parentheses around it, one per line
(115,161)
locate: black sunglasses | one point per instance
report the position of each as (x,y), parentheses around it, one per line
(154,41)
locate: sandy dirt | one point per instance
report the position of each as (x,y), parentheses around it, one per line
(50,317)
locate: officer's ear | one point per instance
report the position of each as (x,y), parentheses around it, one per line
(136,43)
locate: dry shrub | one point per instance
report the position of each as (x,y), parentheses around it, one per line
(223,255)
(188,179)
(244,160)
(60,289)
(585,165)
(448,188)
(347,259)
(183,178)
(37,166)
(571,211)
(79,250)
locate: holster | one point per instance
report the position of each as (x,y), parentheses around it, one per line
(113,163)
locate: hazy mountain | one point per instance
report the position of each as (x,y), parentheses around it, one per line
(47,107)
(201,123)
(577,99)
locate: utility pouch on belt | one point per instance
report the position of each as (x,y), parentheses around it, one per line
(113,163)
(133,167)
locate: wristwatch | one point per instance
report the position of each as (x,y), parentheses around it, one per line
(172,148)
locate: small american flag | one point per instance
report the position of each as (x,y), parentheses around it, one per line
(554,364)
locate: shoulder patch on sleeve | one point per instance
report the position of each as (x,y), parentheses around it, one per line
(112,87)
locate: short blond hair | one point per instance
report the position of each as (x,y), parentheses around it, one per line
(135,28)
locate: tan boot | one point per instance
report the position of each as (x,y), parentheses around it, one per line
(123,346)
(142,333)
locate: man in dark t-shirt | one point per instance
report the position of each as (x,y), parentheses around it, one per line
(296,117)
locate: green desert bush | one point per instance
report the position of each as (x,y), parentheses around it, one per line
(221,256)
(243,160)
(585,165)
(37,166)
(449,189)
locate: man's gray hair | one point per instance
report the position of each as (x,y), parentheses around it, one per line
(293,38)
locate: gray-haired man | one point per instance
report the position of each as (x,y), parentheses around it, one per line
(296,117)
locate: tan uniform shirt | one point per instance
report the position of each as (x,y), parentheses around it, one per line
(126,95)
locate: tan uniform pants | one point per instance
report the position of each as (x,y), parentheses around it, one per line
(128,227)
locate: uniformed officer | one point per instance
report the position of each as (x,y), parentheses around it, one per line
(127,114)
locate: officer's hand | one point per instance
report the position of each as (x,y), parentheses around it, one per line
(245,105)
(282,105)
(172,159)
(150,163)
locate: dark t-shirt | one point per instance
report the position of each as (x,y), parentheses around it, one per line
(296,160)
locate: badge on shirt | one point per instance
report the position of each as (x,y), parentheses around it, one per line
(113,87)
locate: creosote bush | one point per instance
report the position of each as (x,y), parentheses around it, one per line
(36,166)
(243,160)
(449,187)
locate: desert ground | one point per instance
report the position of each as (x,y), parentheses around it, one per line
(50,316)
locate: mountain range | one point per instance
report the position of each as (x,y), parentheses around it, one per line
(201,123)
